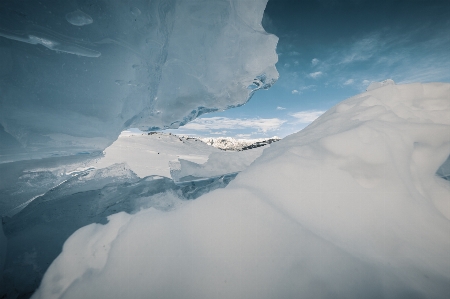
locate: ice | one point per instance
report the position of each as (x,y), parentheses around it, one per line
(79,18)
(23,181)
(50,40)
(350,207)
(2,256)
(37,232)
(51,201)
(70,90)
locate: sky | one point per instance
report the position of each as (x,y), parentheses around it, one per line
(330,50)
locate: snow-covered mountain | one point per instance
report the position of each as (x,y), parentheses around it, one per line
(232,144)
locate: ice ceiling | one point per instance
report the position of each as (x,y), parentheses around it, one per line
(75,73)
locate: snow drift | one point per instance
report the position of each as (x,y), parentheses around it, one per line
(76,73)
(350,207)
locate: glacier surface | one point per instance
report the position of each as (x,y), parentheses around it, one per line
(76,73)
(350,207)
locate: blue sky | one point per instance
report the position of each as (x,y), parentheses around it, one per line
(330,50)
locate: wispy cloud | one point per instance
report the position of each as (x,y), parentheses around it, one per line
(363,49)
(315,62)
(281,108)
(349,82)
(295,91)
(221,123)
(315,75)
(303,88)
(307,116)
(244,136)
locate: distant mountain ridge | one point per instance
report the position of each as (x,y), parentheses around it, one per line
(225,143)
(232,144)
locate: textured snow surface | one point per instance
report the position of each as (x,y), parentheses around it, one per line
(350,207)
(75,73)
(218,164)
(150,154)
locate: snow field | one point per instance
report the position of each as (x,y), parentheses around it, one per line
(349,207)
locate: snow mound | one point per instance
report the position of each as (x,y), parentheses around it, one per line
(349,207)
(220,163)
(36,234)
(78,73)
(150,154)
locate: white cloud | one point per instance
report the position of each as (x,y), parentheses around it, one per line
(315,75)
(220,123)
(306,87)
(315,61)
(365,82)
(349,82)
(219,133)
(295,91)
(280,108)
(244,136)
(307,116)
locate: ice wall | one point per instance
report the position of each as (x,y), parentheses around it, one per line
(75,73)
(349,207)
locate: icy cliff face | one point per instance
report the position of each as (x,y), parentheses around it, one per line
(349,207)
(76,73)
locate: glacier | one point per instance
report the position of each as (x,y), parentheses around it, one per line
(355,205)
(76,73)
(349,207)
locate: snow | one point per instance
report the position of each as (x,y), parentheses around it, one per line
(350,207)
(150,154)
(230,143)
(128,178)
(375,85)
(75,74)
(219,163)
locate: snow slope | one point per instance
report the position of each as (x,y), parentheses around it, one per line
(350,207)
(150,154)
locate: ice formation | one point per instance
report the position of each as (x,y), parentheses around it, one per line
(150,64)
(349,207)
(49,203)
(79,18)
(37,233)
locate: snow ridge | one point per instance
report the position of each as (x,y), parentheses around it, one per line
(232,144)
